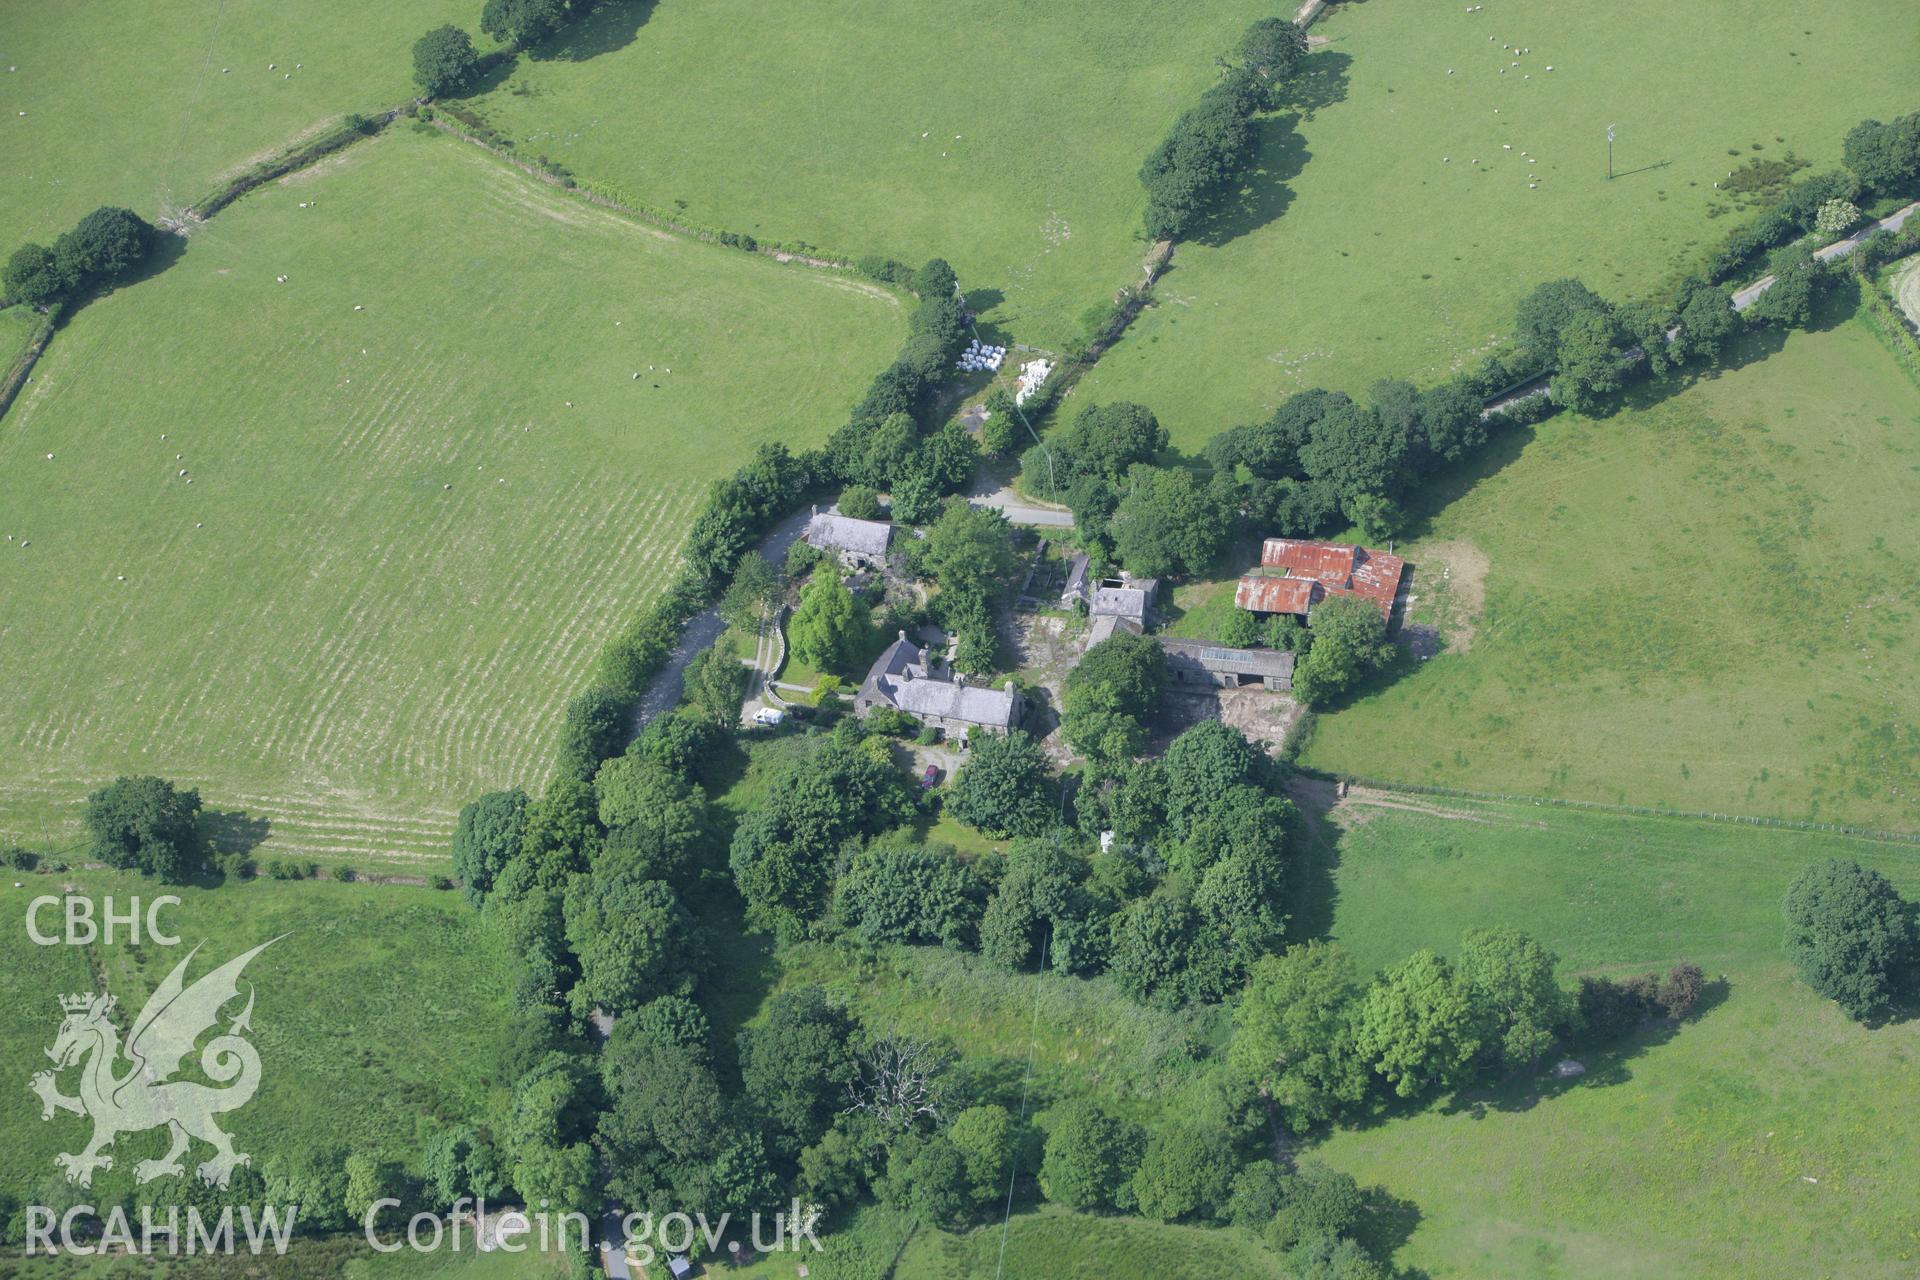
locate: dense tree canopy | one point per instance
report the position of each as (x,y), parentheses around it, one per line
(1168,521)
(1090,1158)
(146,824)
(796,1063)
(898,891)
(1107,695)
(1294,1033)
(1186,1173)
(488,834)
(1003,789)
(633,939)
(830,628)
(1418,1026)
(1852,936)
(443,61)
(1349,642)
(783,855)
(1521,1006)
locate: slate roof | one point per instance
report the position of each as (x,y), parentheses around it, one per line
(900,678)
(832,532)
(1247,662)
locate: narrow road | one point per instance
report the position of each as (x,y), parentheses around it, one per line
(704,628)
(1839,248)
(993,487)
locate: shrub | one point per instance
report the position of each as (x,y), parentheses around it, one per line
(860,502)
(1681,990)
(1836,216)
(22,859)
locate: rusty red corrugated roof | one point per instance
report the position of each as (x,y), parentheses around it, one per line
(1327,561)
(1263,594)
(1336,566)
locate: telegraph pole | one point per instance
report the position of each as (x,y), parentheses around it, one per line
(1610,129)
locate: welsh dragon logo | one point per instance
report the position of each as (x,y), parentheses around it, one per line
(141,1093)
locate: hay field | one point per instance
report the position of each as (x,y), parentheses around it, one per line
(396,550)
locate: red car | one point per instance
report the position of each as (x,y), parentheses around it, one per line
(931,776)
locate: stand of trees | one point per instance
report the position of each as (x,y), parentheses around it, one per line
(1207,149)
(102,247)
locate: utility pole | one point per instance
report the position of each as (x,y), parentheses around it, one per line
(1610,129)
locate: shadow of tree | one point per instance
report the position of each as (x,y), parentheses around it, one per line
(1606,1064)
(1280,153)
(1313,889)
(232,832)
(609,28)
(1321,82)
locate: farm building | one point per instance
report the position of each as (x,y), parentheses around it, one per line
(1106,624)
(904,678)
(1198,662)
(1294,576)
(859,544)
(1076,588)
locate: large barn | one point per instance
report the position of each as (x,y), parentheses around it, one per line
(1295,575)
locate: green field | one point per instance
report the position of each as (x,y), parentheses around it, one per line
(145,104)
(1768,1137)
(380,1016)
(1705,604)
(1036,118)
(1362,255)
(397,550)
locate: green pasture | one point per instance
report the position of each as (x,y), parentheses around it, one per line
(1769,1136)
(1370,245)
(1005,137)
(1706,602)
(380,1014)
(423,486)
(146,104)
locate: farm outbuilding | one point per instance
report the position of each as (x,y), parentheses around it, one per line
(1295,575)
(859,544)
(1201,663)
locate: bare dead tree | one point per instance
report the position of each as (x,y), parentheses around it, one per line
(898,1081)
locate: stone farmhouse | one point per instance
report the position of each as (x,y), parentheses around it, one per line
(904,678)
(1198,662)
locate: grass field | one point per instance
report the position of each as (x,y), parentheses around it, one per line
(396,550)
(1373,246)
(145,104)
(1035,116)
(380,1016)
(1706,604)
(1769,1137)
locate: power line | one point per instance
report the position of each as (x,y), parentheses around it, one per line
(1026,1084)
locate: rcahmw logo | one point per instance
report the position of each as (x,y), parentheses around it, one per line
(147,1095)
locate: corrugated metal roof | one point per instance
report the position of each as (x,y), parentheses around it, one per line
(1327,561)
(1337,566)
(1261,593)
